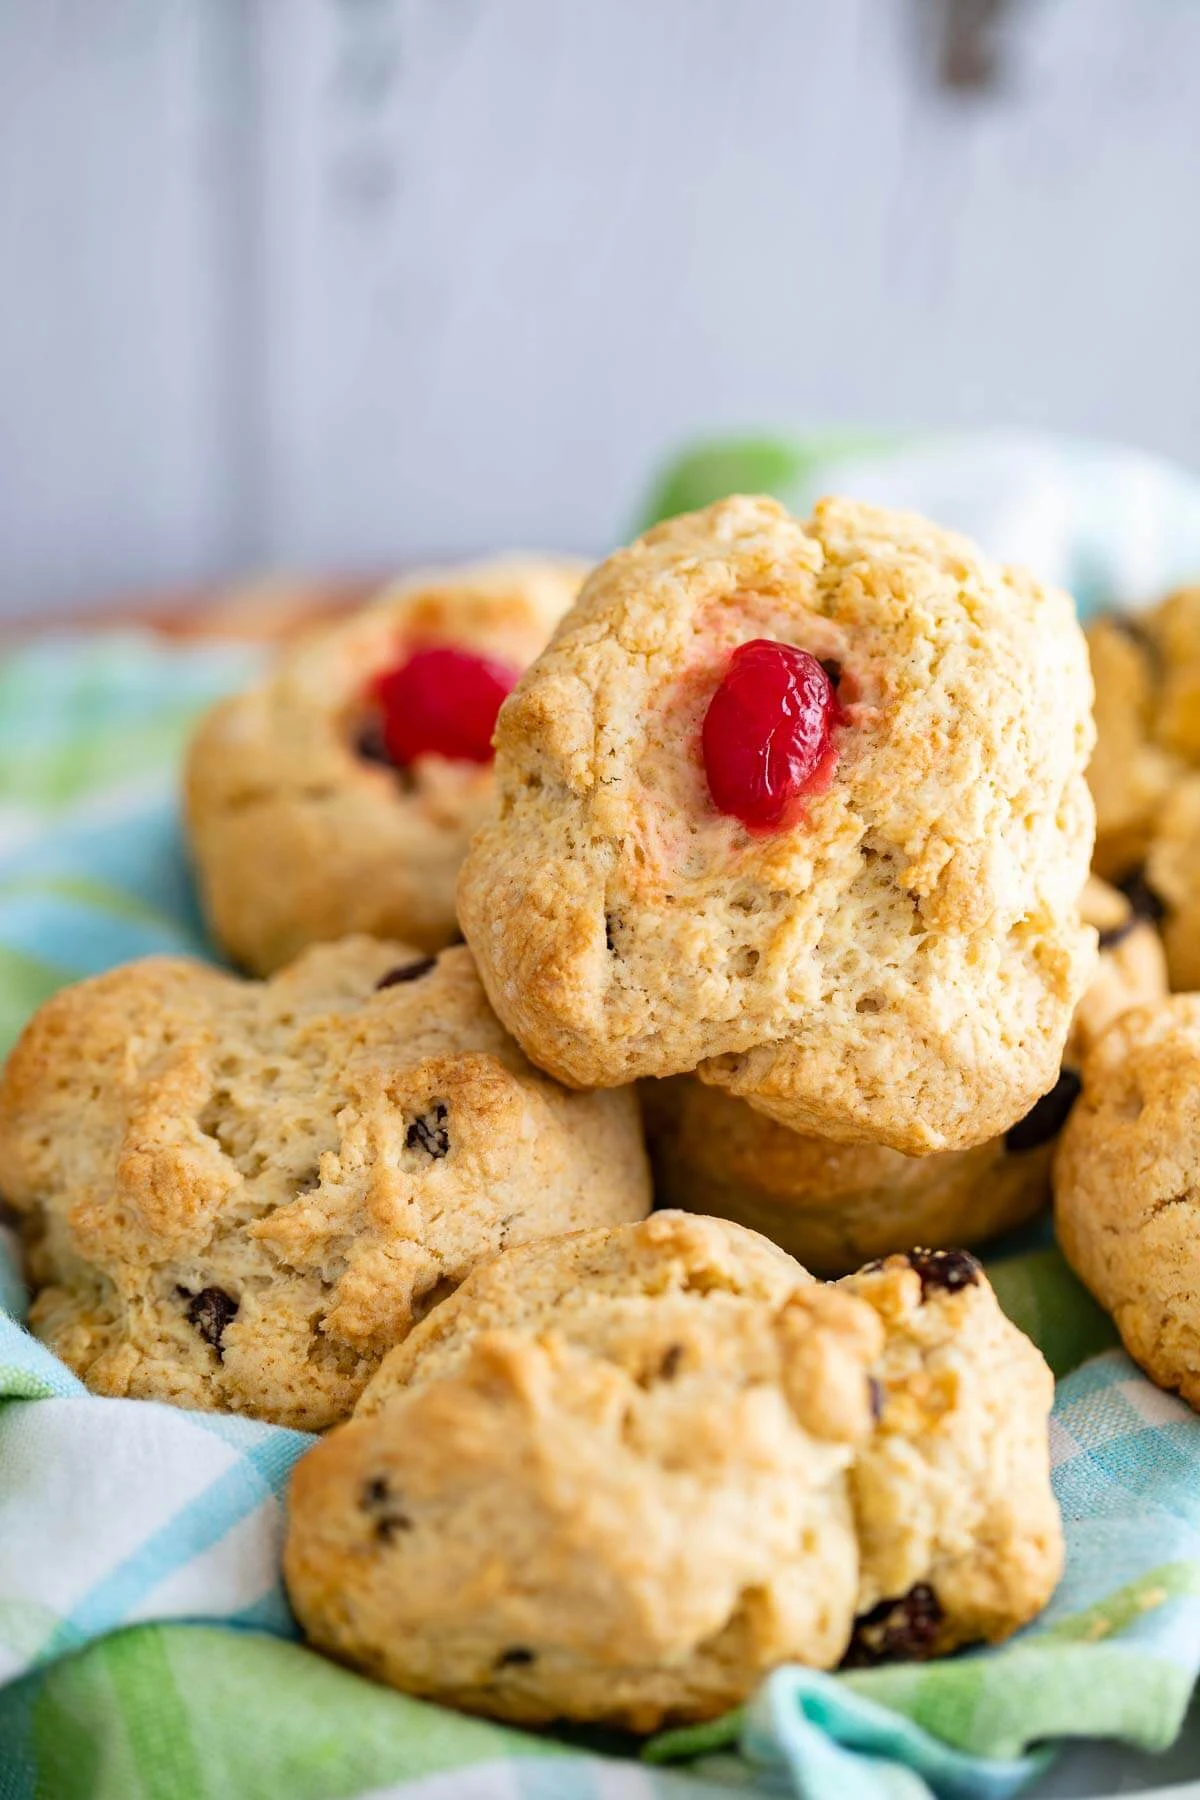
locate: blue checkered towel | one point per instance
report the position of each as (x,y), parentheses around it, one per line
(145,1642)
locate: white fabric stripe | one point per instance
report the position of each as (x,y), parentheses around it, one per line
(59,1462)
(230,1575)
(1152,1405)
(1063,1447)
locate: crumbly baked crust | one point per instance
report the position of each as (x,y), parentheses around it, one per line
(239,1195)
(620,1476)
(834,1205)
(901,967)
(1127,1186)
(300,839)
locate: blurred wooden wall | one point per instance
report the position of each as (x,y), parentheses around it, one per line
(338,282)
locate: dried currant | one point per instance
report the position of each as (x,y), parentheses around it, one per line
(382,1507)
(1046,1117)
(403,972)
(210,1312)
(1116,934)
(944,1271)
(1141,896)
(369,743)
(903,1630)
(428,1132)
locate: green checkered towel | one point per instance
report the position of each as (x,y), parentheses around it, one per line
(146,1648)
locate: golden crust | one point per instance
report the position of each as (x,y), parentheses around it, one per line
(1127,1186)
(1173,871)
(952,1490)
(835,1205)
(1131,969)
(831,1205)
(581,1285)
(1145,774)
(901,967)
(620,1476)
(1130,773)
(239,1196)
(297,839)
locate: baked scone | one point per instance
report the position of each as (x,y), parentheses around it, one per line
(889,951)
(1145,773)
(1172,880)
(315,804)
(596,1283)
(614,1486)
(1131,771)
(239,1195)
(832,1205)
(615,1478)
(1131,968)
(1127,1187)
(959,1532)
(835,1205)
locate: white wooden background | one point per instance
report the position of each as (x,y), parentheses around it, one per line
(320,283)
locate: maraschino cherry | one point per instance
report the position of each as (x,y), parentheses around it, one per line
(441,702)
(767,735)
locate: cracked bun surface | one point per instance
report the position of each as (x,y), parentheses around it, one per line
(959,1531)
(1145,772)
(834,1205)
(239,1195)
(620,1476)
(899,961)
(302,826)
(1127,1186)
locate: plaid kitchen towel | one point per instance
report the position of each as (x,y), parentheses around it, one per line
(146,1648)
